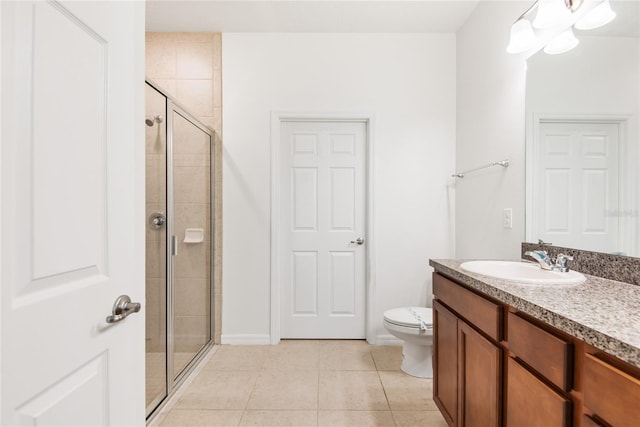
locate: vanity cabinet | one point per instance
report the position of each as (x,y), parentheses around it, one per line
(611,395)
(539,376)
(496,366)
(468,361)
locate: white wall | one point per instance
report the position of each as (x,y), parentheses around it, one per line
(490,127)
(407,81)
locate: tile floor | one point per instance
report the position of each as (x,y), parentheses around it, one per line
(306,383)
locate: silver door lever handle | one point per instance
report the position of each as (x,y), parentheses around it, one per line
(122,308)
(358,241)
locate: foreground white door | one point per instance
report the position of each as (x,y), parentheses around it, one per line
(577,185)
(72,197)
(323,211)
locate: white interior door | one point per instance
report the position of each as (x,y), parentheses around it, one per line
(322,213)
(577,180)
(72,212)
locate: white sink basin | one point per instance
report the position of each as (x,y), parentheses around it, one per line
(522,272)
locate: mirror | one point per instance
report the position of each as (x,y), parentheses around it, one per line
(583,140)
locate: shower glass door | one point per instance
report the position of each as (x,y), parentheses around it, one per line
(178,244)
(156,247)
(191,165)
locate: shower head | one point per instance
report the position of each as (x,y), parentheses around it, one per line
(153,120)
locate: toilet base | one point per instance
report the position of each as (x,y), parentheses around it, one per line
(416,360)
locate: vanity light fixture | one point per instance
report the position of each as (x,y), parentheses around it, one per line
(599,16)
(552,27)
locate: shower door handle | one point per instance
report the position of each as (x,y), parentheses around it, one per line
(122,308)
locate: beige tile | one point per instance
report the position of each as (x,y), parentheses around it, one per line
(168,86)
(189,139)
(387,358)
(155,178)
(192,184)
(419,419)
(192,297)
(238,358)
(194,60)
(280,418)
(217,51)
(160,59)
(207,121)
(217,120)
(193,37)
(294,355)
(347,344)
(350,357)
(217,89)
(357,390)
(193,260)
(407,393)
(196,95)
(204,418)
(219,390)
(355,418)
(285,390)
(154,260)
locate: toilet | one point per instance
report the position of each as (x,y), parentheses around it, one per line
(414,326)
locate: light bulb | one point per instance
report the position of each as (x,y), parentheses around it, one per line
(552,13)
(522,37)
(561,43)
(597,17)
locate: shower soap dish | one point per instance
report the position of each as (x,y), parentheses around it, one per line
(193,235)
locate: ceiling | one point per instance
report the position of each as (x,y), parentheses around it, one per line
(317,16)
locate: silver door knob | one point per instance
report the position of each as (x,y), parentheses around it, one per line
(122,308)
(358,241)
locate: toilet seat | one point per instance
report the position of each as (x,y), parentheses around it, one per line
(403,316)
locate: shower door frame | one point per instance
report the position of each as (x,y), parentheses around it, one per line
(173,382)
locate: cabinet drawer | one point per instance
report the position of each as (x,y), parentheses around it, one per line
(549,355)
(612,395)
(479,311)
(532,403)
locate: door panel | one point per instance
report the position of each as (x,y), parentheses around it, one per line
(322,169)
(191,224)
(578,170)
(445,362)
(72,201)
(479,367)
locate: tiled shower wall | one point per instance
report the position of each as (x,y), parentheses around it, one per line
(188,66)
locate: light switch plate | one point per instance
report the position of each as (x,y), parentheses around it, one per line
(507,218)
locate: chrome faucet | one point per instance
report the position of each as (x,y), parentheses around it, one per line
(547,263)
(542,257)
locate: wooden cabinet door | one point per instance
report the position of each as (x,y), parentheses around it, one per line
(480,379)
(445,366)
(532,403)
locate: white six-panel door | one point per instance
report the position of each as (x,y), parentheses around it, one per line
(577,185)
(322,175)
(72,198)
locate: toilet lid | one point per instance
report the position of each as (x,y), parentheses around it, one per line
(404,317)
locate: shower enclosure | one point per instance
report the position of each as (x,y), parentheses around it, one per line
(179,246)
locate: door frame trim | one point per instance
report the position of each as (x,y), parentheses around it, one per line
(277,118)
(531,151)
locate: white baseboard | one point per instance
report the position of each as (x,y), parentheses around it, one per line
(246,339)
(387,339)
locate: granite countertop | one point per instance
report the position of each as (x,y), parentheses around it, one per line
(601,312)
